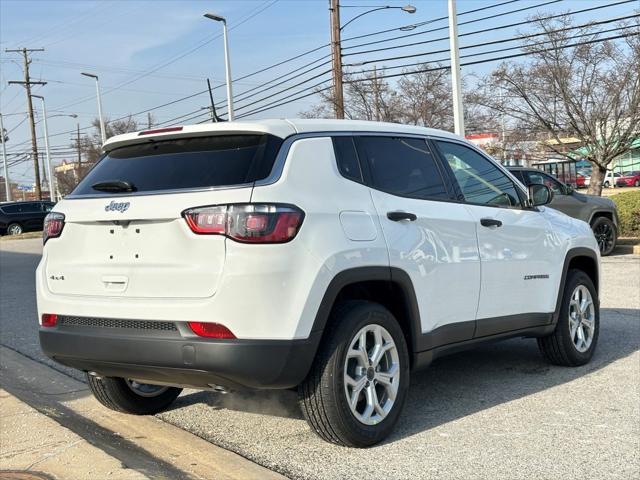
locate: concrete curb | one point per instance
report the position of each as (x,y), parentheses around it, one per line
(100,443)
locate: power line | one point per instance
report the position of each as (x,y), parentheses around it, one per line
(493,59)
(485,30)
(176,58)
(505,57)
(494,42)
(490,17)
(439,19)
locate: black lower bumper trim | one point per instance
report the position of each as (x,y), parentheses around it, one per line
(195,362)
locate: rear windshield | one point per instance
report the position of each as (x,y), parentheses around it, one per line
(185,163)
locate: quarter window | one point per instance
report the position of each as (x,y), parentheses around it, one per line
(480,181)
(403,167)
(347,158)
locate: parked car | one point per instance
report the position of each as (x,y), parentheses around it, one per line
(610,179)
(580,181)
(334,257)
(629,179)
(18,217)
(601,213)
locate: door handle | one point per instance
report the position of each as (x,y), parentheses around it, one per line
(397,216)
(490,222)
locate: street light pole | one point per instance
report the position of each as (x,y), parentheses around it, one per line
(7,184)
(458,111)
(103,132)
(227,62)
(336,47)
(46,144)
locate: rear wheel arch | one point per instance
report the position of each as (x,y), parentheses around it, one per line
(389,287)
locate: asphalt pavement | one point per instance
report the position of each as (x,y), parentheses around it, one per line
(495,412)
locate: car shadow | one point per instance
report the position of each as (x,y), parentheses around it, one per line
(461,384)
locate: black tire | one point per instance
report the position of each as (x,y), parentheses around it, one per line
(14,229)
(322,395)
(606,184)
(636,183)
(115,393)
(606,235)
(558,348)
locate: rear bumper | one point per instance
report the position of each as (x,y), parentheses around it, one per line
(171,358)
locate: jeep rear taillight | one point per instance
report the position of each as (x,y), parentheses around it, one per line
(247,223)
(53,225)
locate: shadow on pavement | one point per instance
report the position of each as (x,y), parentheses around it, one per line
(461,384)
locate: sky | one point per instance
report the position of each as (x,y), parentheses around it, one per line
(149,53)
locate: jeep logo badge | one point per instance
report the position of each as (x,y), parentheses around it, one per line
(117,207)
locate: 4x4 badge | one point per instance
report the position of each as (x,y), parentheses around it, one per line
(117,207)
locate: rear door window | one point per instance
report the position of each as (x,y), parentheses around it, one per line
(187,163)
(402,166)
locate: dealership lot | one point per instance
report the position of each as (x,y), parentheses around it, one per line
(496,412)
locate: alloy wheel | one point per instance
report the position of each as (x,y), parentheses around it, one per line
(581,318)
(15,229)
(604,236)
(371,374)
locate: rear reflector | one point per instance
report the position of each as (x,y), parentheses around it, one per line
(49,319)
(161,130)
(247,223)
(211,330)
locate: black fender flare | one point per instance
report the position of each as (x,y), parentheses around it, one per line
(366,274)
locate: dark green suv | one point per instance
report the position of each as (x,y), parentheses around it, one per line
(598,212)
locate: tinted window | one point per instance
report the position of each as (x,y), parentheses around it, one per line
(187,163)
(10,209)
(402,166)
(31,207)
(518,174)
(544,179)
(481,182)
(347,158)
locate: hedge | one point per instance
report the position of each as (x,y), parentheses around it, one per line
(628,204)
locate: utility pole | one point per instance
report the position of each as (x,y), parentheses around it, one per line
(78,145)
(27,84)
(336,49)
(458,111)
(148,120)
(7,184)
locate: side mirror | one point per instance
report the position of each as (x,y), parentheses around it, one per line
(539,195)
(568,189)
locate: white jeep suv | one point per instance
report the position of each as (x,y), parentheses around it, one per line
(331,256)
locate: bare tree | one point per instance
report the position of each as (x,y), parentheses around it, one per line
(365,98)
(425,97)
(575,85)
(90,151)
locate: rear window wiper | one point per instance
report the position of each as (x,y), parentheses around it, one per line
(114,186)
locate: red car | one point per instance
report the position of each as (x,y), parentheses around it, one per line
(629,179)
(580,181)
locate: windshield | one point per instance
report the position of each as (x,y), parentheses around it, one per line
(186,163)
